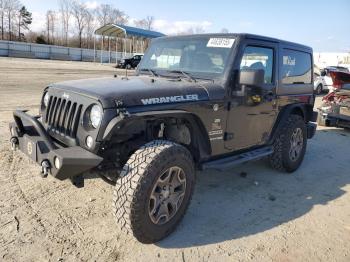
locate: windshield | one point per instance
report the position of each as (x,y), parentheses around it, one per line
(197,55)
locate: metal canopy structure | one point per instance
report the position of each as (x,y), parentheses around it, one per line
(122,31)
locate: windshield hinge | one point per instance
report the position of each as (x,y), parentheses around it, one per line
(228,136)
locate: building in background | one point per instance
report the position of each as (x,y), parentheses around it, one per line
(323,60)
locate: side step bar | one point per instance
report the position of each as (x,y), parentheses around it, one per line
(227,162)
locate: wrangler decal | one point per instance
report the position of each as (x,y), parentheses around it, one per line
(169,99)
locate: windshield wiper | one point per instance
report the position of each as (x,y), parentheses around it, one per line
(152,71)
(185,74)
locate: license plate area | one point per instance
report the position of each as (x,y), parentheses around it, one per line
(29,147)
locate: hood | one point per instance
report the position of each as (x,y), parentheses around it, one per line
(141,90)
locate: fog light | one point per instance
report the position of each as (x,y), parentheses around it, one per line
(89,141)
(57,162)
(12,130)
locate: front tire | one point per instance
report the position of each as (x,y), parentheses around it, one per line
(289,145)
(154,190)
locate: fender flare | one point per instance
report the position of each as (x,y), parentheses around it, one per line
(200,139)
(304,110)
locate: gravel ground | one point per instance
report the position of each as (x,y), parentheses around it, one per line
(249,213)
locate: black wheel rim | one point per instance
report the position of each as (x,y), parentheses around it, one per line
(167,195)
(296,144)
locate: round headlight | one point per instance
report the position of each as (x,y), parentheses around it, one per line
(57,162)
(46,99)
(96,116)
(89,141)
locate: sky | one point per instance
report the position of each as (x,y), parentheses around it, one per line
(323,24)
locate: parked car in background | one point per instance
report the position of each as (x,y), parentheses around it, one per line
(324,82)
(131,62)
(319,86)
(335,109)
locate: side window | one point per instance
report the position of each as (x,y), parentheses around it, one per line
(259,58)
(296,68)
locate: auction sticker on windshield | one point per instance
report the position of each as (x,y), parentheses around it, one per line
(221,42)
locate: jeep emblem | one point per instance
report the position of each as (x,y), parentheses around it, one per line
(65,95)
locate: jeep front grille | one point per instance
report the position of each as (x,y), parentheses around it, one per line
(62,116)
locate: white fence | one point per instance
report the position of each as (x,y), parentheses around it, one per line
(29,50)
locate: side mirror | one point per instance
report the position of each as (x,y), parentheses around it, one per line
(252,77)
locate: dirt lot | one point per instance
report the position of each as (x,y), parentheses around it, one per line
(264,216)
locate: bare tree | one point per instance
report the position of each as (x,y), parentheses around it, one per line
(65,6)
(146,23)
(104,14)
(108,14)
(118,17)
(224,30)
(90,26)
(50,25)
(149,22)
(141,23)
(2,16)
(11,9)
(80,13)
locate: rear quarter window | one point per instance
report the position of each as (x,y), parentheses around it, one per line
(296,67)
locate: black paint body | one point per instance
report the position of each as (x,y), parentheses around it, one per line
(223,120)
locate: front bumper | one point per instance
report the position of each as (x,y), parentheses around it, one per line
(28,134)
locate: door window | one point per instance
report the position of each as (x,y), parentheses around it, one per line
(296,68)
(255,58)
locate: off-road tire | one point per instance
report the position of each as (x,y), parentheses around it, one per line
(280,158)
(133,189)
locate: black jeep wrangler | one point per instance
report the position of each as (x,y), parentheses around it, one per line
(131,62)
(197,102)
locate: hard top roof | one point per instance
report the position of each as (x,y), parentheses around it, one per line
(243,36)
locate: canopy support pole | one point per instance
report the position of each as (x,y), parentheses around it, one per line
(109,49)
(133,45)
(116,50)
(101,49)
(94,48)
(124,46)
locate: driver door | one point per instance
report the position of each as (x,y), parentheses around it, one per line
(253,108)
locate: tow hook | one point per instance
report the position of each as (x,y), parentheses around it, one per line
(45,168)
(14,143)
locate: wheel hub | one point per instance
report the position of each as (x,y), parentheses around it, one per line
(166,192)
(296,144)
(167,195)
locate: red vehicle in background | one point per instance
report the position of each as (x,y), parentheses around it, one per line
(335,109)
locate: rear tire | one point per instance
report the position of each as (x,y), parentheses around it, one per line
(319,89)
(289,145)
(144,203)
